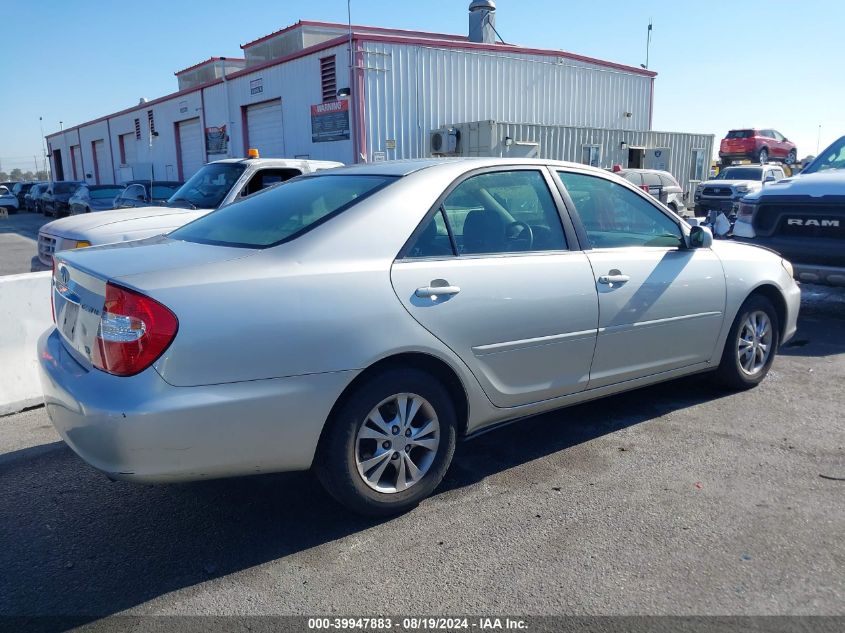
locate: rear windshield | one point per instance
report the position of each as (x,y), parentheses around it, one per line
(741,134)
(281,213)
(65,187)
(740,173)
(104,194)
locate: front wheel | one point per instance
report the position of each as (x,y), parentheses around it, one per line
(751,345)
(792,157)
(389,444)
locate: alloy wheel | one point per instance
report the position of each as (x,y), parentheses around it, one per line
(754,344)
(397,443)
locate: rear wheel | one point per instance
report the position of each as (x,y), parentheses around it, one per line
(389,444)
(751,345)
(763,156)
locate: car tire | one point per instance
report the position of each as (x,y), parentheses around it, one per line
(763,156)
(756,325)
(366,446)
(792,157)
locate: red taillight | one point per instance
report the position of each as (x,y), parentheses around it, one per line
(134,331)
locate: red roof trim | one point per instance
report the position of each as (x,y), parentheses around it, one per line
(208,61)
(356,28)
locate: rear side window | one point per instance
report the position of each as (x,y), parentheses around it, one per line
(493,213)
(282,213)
(668,181)
(652,180)
(741,134)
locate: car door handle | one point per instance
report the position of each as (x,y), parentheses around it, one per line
(613,279)
(431,292)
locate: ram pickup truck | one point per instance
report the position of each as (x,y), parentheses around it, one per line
(214,185)
(802,218)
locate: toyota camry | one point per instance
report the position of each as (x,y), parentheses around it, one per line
(360,321)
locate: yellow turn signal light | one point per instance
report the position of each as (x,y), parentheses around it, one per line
(252,153)
(82,244)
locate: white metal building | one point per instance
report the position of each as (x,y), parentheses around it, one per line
(297,93)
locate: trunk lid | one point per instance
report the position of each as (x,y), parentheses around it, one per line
(80,278)
(78,224)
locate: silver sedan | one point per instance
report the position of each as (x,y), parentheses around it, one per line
(361,320)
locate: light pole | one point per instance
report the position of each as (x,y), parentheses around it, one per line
(647,44)
(818,139)
(43,148)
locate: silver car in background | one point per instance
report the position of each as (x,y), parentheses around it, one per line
(660,184)
(360,320)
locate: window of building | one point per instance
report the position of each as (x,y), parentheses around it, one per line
(591,155)
(616,217)
(498,212)
(696,171)
(328,78)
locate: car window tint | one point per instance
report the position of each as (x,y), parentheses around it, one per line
(433,240)
(614,216)
(282,213)
(503,212)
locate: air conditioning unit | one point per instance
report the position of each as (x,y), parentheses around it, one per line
(444,142)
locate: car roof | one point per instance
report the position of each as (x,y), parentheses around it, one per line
(409,166)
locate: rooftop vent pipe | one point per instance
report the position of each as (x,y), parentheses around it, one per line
(482,21)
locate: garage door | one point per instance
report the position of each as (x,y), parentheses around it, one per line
(264,129)
(102,165)
(77,162)
(190,144)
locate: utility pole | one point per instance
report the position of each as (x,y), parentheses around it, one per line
(647,43)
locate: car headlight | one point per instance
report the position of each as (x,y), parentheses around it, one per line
(82,244)
(788,267)
(742,188)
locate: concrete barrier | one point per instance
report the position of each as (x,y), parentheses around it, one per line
(24,314)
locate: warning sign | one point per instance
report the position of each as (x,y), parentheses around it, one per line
(330,121)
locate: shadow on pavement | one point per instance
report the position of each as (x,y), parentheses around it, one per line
(73,543)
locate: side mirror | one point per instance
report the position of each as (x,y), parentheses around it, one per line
(700,237)
(769,179)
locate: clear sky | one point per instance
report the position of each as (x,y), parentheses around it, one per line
(721,64)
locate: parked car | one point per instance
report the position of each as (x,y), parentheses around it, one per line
(723,193)
(143,193)
(8,200)
(803,218)
(90,198)
(660,184)
(214,185)
(759,145)
(33,197)
(360,320)
(54,201)
(20,190)
(9,185)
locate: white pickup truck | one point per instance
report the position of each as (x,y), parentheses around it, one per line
(215,185)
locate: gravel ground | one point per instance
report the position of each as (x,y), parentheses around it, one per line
(676,499)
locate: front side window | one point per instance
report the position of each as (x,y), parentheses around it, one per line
(105,194)
(282,213)
(494,213)
(614,216)
(163,192)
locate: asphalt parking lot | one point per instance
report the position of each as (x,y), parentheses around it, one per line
(19,242)
(676,499)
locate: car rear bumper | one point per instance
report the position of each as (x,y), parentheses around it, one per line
(142,428)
